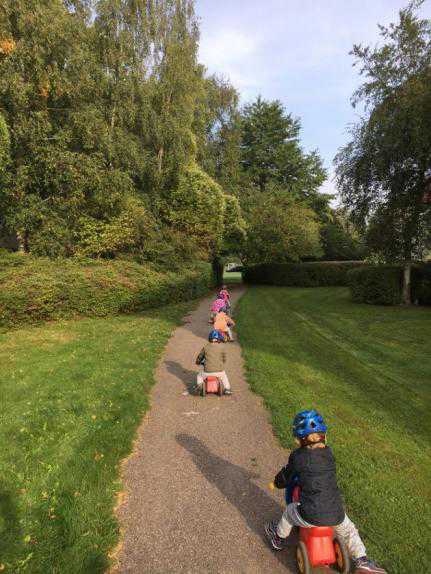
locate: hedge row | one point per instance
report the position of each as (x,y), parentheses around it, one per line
(35,289)
(313,274)
(382,285)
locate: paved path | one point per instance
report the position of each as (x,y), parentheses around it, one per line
(197,481)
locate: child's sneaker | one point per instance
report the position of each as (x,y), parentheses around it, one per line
(227,392)
(271,531)
(365,566)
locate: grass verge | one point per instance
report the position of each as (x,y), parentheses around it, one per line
(232,278)
(368,370)
(73,394)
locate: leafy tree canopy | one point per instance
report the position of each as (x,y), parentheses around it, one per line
(281,230)
(270,150)
(382,172)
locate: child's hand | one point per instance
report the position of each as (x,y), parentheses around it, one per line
(271,486)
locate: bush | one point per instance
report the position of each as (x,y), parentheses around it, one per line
(34,289)
(421,284)
(313,274)
(382,285)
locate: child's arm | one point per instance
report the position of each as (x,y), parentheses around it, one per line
(201,357)
(286,474)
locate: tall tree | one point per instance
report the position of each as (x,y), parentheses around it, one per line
(270,150)
(280,230)
(382,172)
(218,128)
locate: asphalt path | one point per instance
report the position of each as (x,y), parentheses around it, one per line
(196,484)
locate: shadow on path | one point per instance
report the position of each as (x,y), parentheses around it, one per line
(236,484)
(186,376)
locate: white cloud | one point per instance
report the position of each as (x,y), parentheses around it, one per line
(229,52)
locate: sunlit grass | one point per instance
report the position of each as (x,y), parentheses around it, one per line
(368,369)
(72,395)
(232,278)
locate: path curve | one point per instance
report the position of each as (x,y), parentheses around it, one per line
(196,483)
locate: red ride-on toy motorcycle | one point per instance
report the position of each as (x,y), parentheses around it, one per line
(318,546)
(212,385)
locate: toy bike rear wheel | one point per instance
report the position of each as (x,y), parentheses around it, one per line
(204,389)
(343,562)
(302,560)
(220,389)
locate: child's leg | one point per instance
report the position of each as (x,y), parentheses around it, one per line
(349,534)
(289,519)
(200,378)
(224,379)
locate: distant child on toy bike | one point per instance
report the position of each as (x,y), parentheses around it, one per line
(216,306)
(212,359)
(224,294)
(223,324)
(312,467)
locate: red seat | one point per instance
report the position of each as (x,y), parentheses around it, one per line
(318,539)
(212,384)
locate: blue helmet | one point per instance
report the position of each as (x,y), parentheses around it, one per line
(215,336)
(308,422)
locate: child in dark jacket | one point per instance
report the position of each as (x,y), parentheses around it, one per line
(312,467)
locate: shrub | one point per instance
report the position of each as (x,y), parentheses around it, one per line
(421,284)
(377,285)
(34,289)
(382,285)
(313,274)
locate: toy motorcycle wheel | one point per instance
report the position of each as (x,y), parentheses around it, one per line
(342,563)
(302,560)
(204,389)
(220,389)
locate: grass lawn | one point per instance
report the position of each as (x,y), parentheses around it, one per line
(72,395)
(368,370)
(232,278)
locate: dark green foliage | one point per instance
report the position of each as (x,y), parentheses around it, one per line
(35,289)
(421,284)
(340,245)
(280,229)
(382,172)
(270,150)
(377,285)
(382,285)
(313,274)
(105,104)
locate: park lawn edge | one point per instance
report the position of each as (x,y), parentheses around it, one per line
(32,545)
(262,338)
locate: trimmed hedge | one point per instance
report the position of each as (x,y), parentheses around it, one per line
(382,285)
(313,274)
(35,289)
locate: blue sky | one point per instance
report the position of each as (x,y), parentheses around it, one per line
(296,51)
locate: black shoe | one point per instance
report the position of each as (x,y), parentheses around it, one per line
(271,531)
(365,566)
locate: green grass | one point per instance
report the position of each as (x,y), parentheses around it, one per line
(232,278)
(368,370)
(72,396)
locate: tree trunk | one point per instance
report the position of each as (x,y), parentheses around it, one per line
(217,271)
(20,239)
(160,155)
(407,294)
